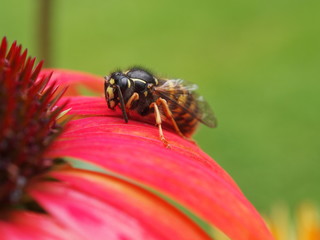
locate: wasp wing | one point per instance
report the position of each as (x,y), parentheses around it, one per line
(172,89)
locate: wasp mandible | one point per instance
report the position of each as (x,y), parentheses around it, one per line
(139,90)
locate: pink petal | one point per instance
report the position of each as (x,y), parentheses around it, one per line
(74,79)
(97,106)
(80,106)
(100,207)
(28,225)
(183,172)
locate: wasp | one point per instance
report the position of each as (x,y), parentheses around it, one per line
(173,100)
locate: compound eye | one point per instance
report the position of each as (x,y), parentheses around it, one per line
(123,83)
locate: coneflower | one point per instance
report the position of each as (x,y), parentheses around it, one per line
(27,123)
(119,183)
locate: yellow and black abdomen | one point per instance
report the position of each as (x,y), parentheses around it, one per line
(184,109)
(184,113)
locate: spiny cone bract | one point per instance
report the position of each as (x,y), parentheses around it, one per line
(27,120)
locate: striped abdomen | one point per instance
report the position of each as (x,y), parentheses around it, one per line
(184,108)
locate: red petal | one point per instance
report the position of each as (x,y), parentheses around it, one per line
(183,172)
(80,106)
(74,79)
(99,207)
(95,106)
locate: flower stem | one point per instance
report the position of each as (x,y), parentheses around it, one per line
(44,30)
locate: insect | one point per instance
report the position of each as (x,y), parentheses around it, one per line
(171,99)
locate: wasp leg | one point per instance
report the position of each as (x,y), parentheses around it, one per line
(168,113)
(134,97)
(158,122)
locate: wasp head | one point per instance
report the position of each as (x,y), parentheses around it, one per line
(114,83)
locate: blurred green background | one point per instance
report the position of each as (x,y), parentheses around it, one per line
(256,62)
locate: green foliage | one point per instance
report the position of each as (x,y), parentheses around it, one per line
(256,62)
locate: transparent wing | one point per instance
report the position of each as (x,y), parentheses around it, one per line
(176,85)
(172,89)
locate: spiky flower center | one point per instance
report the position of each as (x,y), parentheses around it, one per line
(27,121)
